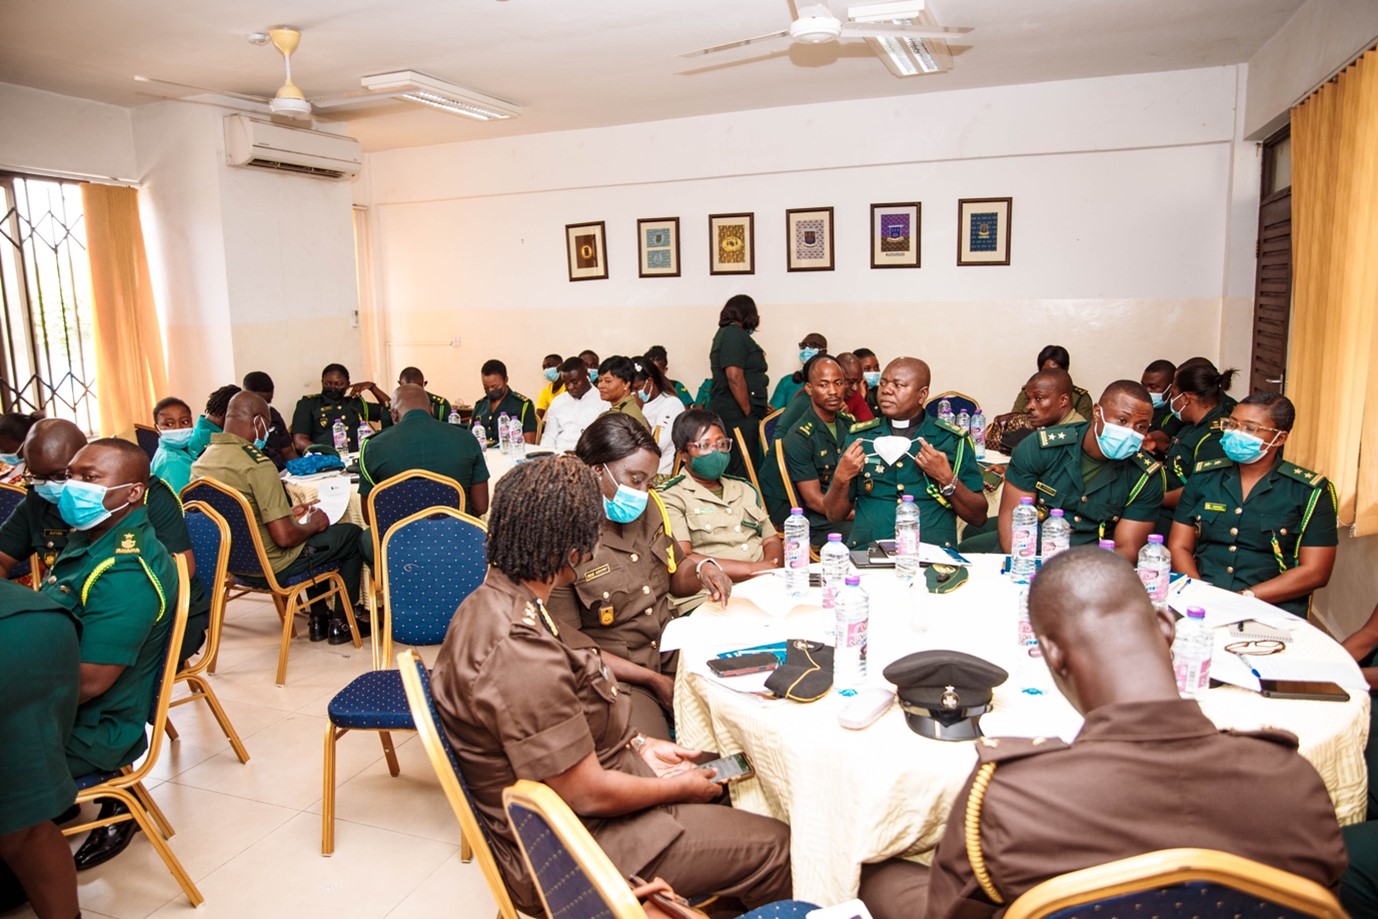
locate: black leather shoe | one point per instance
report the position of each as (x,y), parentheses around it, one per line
(339,631)
(105,842)
(319,627)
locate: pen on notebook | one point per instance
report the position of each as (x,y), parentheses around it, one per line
(1245,661)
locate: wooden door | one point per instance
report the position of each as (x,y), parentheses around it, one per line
(1273,281)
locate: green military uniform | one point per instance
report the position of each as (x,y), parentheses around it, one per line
(1242,541)
(315,417)
(799,407)
(1081,402)
(514,404)
(440,407)
(785,391)
(236,463)
(1193,444)
(40,675)
(1095,495)
(36,526)
(705,392)
(419,441)
(732,524)
(683,394)
(122,585)
(733,346)
(812,448)
(1165,421)
(629,406)
(880,486)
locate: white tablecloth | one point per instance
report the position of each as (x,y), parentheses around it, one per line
(862,796)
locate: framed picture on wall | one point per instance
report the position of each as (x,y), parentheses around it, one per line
(587,251)
(731,243)
(895,234)
(983,231)
(809,239)
(658,242)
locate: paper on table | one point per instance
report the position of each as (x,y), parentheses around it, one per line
(1235,670)
(1222,607)
(767,591)
(332,496)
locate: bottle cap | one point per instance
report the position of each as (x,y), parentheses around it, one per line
(1155,538)
(834,537)
(796,512)
(1056,512)
(1026,500)
(1108,544)
(1195,612)
(854,580)
(908,499)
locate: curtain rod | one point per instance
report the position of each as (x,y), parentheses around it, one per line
(1371,45)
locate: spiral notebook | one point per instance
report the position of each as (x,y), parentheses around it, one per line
(1253,630)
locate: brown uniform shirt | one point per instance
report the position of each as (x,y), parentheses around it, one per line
(621,600)
(1140,776)
(235,462)
(518,702)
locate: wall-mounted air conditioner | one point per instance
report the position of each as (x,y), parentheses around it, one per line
(265,145)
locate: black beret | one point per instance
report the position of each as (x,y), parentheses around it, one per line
(944,693)
(807,673)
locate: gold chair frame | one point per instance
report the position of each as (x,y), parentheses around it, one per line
(746,458)
(194,675)
(1174,866)
(765,441)
(333,733)
(473,843)
(128,786)
(289,601)
(778,448)
(933,400)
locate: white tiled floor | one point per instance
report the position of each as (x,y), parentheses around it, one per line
(250,835)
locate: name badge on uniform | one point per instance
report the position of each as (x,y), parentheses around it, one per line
(597,573)
(605,616)
(1216,507)
(703,510)
(1046,489)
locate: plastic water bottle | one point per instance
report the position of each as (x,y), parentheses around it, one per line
(853,621)
(964,421)
(479,434)
(1024,632)
(1155,570)
(1057,534)
(516,438)
(364,433)
(835,560)
(978,433)
(796,553)
(454,417)
(504,444)
(340,435)
(945,410)
(907,538)
(1023,541)
(1191,653)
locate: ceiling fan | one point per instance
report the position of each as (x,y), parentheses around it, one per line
(901,33)
(291,104)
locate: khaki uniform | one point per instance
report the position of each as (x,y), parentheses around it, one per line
(1241,542)
(518,700)
(1050,467)
(1140,776)
(629,406)
(733,525)
(812,449)
(315,417)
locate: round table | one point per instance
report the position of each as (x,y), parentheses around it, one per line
(852,797)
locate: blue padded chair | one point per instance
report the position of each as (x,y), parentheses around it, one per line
(210,546)
(147,438)
(768,425)
(576,879)
(476,842)
(1178,882)
(126,785)
(958,401)
(249,567)
(430,562)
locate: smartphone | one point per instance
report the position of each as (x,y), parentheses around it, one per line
(1318,690)
(743,664)
(731,769)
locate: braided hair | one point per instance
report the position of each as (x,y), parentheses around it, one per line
(543,512)
(219,401)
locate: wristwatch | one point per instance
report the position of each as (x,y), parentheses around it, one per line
(950,489)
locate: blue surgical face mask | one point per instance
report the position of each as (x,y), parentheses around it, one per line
(872,378)
(1158,398)
(551,374)
(1243,448)
(82,504)
(593,376)
(805,354)
(627,504)
(173,438)
(1116,441)
(646,394)
(9,459)
(261,442)
(48,491)
(1172,405)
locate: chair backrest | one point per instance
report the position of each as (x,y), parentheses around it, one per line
(247,556)
(747,458)
(957,400)
(1216,884)
(430,562)
(210,546)
(768,425)
(406,493)
(147,438)
(574,875)
(417,685)
(162,688)
(10,498)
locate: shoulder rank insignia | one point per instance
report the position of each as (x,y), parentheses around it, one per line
(1207,465)
(1146,463)
(863,426)
(1302,474)
(670,483)
(1057,436)
(255,454)
(1004,749)
(805,428)
(128,544)
(845,418)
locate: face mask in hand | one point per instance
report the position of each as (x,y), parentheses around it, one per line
(627,504)
(1243,448)
(1116,441)
(82,504)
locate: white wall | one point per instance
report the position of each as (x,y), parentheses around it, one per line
(47,133)
(1127,191)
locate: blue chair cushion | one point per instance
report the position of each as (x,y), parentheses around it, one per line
(92,779)
(781,909)
(257,583)
(373,701)
(1202,899)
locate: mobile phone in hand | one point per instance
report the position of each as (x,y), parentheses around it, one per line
(731,769)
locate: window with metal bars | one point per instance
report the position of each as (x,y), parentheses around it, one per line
(45,312)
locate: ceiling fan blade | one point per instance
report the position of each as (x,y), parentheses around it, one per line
(736,44)
(725,63)
(356,99)
(188,89)
(875,30)
(793,10)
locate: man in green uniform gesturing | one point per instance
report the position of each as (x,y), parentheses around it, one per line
(905,452)
(121,584)
(313,421)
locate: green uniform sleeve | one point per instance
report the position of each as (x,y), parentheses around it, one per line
(268,493)
(1026,465)
(1321,529)
(119,610)
(734,347)
(528,413)
(1148,503)
(799,458)
(1189,502)
(166,515)
(968,471)
(303,419)
(365,480)
(478,472)
(16,534)
(444,408)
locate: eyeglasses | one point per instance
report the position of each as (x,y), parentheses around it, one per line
(704,446)
(29,479)
(1246,427)
(1258,648)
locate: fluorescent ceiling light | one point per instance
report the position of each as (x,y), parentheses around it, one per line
(904,55)
(417,87)
(889,11)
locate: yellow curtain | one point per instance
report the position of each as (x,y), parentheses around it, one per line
(1333,365)
(131,374)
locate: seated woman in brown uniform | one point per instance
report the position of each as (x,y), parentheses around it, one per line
(518,699)
(620,601)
